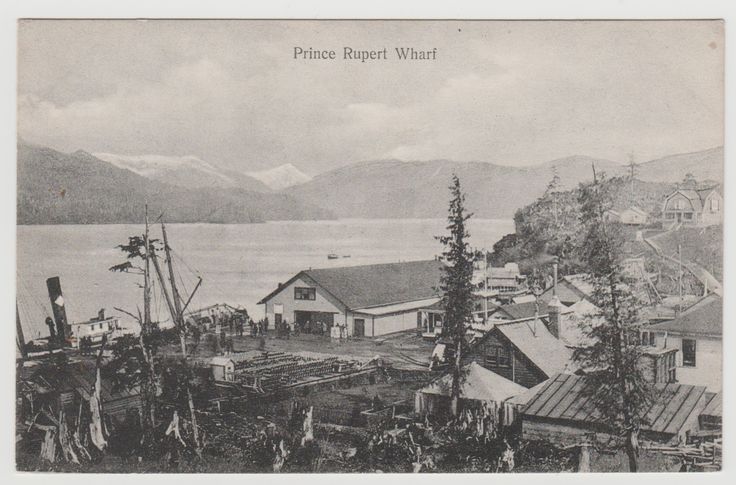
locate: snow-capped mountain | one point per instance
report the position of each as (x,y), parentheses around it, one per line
(281,177)
(187,171)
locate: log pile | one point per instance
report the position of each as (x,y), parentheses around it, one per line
(704,456)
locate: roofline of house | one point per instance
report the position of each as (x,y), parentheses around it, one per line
(685,333)
(368,307)
(301,273)
(517,349)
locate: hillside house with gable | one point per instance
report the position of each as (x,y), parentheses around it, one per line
(700,207)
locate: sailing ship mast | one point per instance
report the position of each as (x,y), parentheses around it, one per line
(174,302)
(146,325)
(20,339)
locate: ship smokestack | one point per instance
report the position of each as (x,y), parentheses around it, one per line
(57,306)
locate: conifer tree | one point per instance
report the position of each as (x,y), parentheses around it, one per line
(612,353)
(456,282)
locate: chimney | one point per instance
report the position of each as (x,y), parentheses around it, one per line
(57,306)
(554,307)
(655,366)
(554,281)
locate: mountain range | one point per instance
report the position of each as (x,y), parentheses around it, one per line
(188,171)
(79,188)
(397,189)
(193,172)
(281,177)
(55,187)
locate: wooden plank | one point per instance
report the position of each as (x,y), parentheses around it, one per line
(582,399)
(558,396)
(572,396)
(659,404)
(544,396)
(671,407)
(589,407)
(685,410)
(538,395)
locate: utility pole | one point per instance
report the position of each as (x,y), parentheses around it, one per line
(485,287)
(632,174)
(679,276)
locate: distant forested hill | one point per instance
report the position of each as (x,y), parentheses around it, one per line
(78,188)
(397,189)
(550,226)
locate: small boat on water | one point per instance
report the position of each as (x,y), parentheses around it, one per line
(332,256)
(346,256)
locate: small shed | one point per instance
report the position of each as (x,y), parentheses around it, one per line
(564,410)
(224,366)
(477,385)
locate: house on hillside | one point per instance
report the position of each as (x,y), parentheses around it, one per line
(564,412)
(506,280)
(369,300)
(523,351)
(698,334)
(632,216)
(701,207)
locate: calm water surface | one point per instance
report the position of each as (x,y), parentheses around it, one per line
(239,263)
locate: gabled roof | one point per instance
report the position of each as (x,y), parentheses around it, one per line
(634,208)
(570,289)
(502,273)
(704,193)
(714,407)
(476,382)
(570,397)
(703,318)
(518,311)
(695,196)
(534,340)
(376,284)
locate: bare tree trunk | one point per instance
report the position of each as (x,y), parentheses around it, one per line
(190,399)
(632,450)
(455,395)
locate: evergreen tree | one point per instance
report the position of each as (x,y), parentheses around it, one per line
(134,362)
(456,282)
(612,355)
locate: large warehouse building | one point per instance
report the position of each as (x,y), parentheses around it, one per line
(370,300)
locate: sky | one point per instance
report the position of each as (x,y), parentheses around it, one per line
(230,92)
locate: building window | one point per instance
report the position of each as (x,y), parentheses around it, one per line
(688,352)
(305,293)
(714,204)
(504,357)
(498,356)
(688,215)
(648,339)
